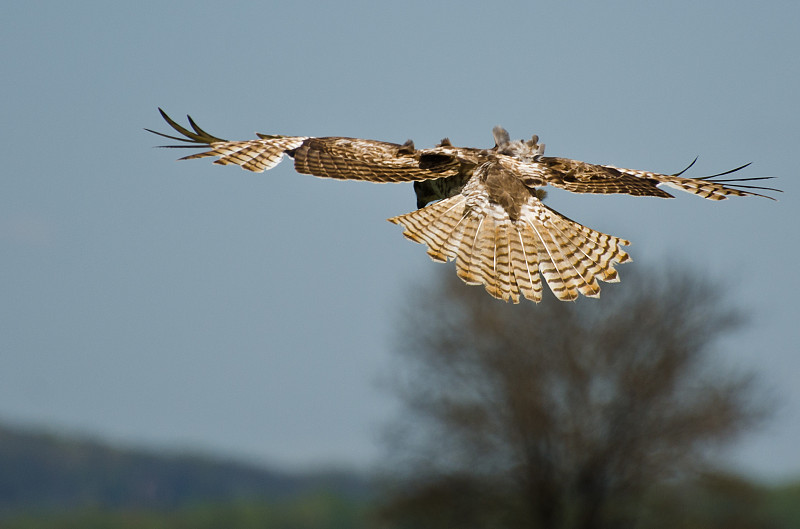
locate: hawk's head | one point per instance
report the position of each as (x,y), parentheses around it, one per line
(527,151)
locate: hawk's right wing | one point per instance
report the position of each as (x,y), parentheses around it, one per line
(582,177)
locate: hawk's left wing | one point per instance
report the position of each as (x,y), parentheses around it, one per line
(329,157)
(370,160)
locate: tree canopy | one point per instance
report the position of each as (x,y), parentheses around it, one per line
(559,414)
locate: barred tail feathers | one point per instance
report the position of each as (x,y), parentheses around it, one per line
(572,257)
(507,257)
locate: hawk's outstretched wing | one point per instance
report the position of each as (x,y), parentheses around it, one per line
(582,177)
(329,157)
(486,213)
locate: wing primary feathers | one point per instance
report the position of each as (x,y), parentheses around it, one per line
(745,179)
(176,138)
(198,137)
(687,167)
(719,174)
(733,182)
(189,134)
(252,155)
(206,137)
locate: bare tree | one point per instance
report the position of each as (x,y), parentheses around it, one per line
(558,414)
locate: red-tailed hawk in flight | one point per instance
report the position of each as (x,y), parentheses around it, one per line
(479,207)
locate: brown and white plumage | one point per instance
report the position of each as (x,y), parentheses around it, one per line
(481,208)
(506,248)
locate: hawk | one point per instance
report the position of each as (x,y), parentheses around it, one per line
(481,208)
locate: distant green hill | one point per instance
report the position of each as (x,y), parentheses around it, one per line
(47,472)
(62,482)
(316,511)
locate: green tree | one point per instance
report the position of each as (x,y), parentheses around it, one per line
(558,414)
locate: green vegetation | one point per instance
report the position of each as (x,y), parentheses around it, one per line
(318,511)
(725,502)
(54,482)
(587,415)
(716,502)
(588,420)
(41,472)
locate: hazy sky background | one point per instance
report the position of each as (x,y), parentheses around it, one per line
(186,305)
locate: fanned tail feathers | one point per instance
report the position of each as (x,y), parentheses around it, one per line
(507,257)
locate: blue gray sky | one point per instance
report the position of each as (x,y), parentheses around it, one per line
(185,305)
